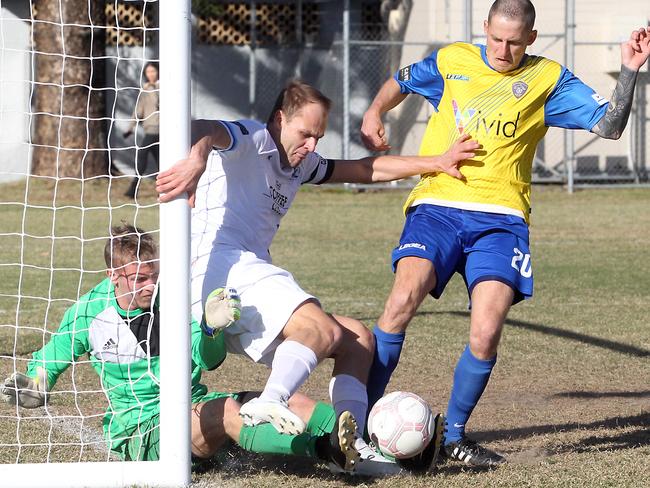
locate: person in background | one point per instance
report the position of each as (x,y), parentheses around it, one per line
(147,113)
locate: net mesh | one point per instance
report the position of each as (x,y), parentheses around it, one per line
(72,87)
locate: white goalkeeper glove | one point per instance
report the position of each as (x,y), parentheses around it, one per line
(222,309)
(25,391)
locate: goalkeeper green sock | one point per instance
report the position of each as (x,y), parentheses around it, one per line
(264,439)
(322,419)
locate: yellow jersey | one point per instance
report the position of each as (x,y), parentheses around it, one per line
(507,113)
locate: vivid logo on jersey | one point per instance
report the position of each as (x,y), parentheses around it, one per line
(471,120)
(462,117)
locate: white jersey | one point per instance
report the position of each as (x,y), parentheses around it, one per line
(245,192)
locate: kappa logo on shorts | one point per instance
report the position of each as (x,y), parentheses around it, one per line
(415,245)
(519,88)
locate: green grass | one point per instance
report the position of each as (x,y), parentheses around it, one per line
(568,402)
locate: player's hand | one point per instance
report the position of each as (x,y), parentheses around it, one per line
(182,177)
(464,148)
(636,50)
(222,309)
(25,391)
(373,133)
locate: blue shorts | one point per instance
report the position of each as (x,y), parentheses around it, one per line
(480,246)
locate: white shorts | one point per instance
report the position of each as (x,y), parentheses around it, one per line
(269,296)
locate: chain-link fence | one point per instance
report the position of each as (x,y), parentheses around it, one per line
(245,52)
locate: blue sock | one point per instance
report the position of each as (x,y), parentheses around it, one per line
(470,379)
(387,350)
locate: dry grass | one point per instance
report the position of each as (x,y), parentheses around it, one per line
(568,402)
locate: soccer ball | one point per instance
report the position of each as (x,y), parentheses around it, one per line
(401,424)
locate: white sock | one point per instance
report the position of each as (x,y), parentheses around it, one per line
(348,393)
(292,364)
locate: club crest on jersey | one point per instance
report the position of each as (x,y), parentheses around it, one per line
(519,88)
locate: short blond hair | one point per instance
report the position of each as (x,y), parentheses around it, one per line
(523,10)
(128,244)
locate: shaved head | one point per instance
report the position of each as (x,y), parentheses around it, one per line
(522,10)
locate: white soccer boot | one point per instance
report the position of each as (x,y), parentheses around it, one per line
(277,414)
(370,463)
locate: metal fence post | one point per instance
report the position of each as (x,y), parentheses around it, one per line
(569,57)
(346,79)
(252,65)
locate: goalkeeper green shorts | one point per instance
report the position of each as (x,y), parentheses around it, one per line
(143,443)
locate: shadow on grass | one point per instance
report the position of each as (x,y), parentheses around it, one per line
(603,394)
(235,463)
(640,436)
(615,346)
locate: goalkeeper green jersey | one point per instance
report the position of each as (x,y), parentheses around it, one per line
(122,346)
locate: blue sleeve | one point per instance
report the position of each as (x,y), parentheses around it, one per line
(573,105)
(422,78)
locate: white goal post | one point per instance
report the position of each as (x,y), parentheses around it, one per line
(23,311)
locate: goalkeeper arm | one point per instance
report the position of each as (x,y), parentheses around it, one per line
(48,363)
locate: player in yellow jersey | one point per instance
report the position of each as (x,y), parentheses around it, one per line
(477,226)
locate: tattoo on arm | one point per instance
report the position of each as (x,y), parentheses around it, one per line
(611,125)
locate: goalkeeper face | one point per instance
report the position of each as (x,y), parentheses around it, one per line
(135,284)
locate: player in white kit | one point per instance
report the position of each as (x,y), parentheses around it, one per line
(241,178)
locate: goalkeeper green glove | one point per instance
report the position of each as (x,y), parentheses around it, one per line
(25,391)
(222,309)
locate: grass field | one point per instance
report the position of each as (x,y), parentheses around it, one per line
(569,400)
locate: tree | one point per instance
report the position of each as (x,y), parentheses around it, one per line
(68,132)
(395,14)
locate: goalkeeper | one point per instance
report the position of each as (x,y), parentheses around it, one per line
(117,325)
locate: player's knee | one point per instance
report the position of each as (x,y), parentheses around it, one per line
(484,344)
(332,335)
(356,337)
(324,334)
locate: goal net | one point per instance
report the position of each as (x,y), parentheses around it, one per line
(81,116)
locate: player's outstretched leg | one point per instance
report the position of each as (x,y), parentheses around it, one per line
(336,446)
(415,277)
(491,301)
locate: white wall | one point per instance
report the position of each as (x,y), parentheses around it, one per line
(14,91)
